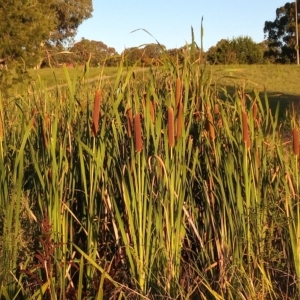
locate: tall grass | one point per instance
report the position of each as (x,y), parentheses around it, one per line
(148,187)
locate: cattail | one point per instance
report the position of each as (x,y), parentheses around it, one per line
(210,126)
(296,141)
(179,119)
(171,127)
(129,121)
(178,91)
(97,103)
(246,136)
(138,133)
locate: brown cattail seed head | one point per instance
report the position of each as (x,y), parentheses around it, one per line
(96,115)
(171,127)
(138,133)
(296,141)
(246,135)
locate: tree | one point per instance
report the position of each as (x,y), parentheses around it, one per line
(152,54)
(69,15)
(24,25)
(176,55)
(281,34)
(246,50)
(221,53)
(99,52)
(240,50)
(27,27)
(133,55)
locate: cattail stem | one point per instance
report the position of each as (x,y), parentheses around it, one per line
(96,115)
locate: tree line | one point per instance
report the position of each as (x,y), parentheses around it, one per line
(41,33)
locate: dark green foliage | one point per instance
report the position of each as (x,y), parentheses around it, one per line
(240,50)
(69,14)
(24,28)
(280,34)
(32,31)
(28,28)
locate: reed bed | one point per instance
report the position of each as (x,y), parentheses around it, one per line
(148,188)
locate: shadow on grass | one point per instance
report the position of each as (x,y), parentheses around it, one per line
(274,98)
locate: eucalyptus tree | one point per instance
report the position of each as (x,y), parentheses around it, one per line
(27,27)
(281,34)
(24,27)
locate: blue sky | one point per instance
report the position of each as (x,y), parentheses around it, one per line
(170,21)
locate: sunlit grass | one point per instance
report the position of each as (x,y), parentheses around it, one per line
(278,80)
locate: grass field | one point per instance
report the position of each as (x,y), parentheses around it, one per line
(168,183)
(278,80)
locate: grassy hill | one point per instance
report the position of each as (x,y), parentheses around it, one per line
(278,80)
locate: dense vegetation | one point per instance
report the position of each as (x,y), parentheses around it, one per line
(154,183)
(151,186)
(241,50)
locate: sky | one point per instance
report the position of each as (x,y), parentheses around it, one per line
(170,21)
